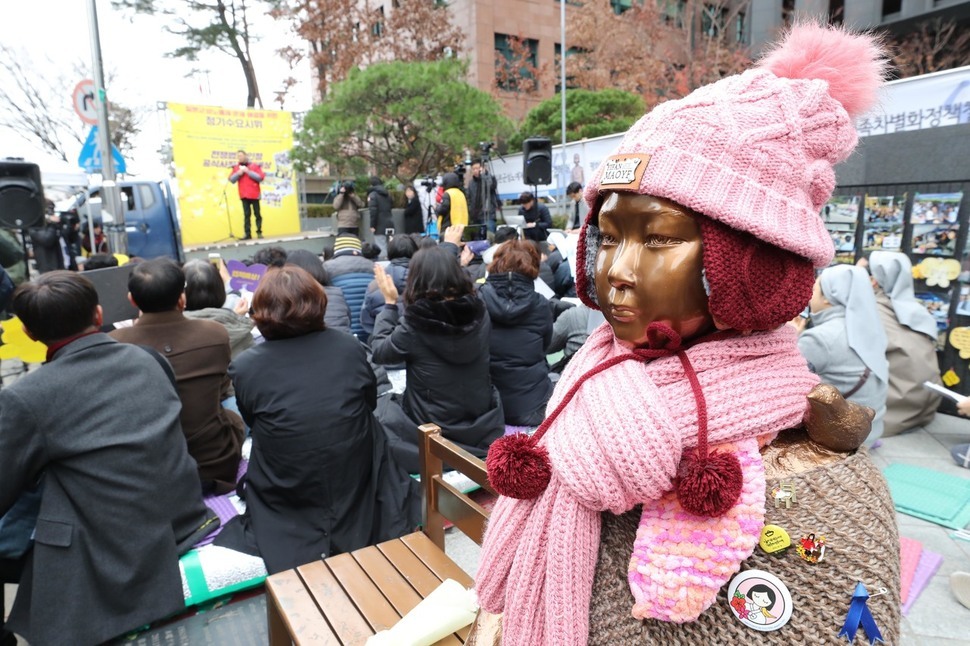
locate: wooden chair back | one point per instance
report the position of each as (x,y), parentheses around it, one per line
(441,501)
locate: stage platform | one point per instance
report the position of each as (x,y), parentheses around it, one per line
(232,249)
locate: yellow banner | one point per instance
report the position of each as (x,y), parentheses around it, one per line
(205,140)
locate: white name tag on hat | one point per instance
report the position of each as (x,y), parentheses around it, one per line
(624,171)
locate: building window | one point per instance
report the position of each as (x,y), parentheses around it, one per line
(787,12)
(377,29)
(619,6)
(891,6)
(712,20)
(569,79)
(515,62)
(739,28)
(836,12)
(674,12)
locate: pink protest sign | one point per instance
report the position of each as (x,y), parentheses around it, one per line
(243,276)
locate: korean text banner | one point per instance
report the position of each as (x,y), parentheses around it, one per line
(205,140)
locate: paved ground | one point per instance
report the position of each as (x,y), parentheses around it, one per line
(936,619)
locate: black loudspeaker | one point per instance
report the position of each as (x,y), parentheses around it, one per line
(537,161)
(21,195)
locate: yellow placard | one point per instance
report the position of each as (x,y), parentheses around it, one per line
(937,271)
(960,339)
(17,345)
(205,140)
(950,378)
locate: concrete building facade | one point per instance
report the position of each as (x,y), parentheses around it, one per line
(769,17)
(489,24)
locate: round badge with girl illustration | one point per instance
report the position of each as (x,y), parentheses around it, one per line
(760,600)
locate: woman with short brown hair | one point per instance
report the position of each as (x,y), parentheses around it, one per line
(308,394)
(289,303)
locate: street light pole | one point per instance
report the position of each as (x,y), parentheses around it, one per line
(562,94)
(110,195)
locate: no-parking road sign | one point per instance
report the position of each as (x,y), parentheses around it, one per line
(85,103)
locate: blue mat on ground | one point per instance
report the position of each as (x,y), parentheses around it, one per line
(931,495)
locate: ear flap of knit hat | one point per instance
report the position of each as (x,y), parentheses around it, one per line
(586,250)
(752,285)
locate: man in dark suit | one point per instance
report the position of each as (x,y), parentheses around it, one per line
(199,352)
(97,427)
(483,199)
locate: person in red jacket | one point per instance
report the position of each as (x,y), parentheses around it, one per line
(248,175)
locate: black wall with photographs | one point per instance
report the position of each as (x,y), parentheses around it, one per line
(917,156)
(936,160)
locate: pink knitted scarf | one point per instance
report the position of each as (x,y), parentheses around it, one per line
(618,444)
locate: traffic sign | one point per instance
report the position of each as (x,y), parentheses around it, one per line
(84,99)
(90,157)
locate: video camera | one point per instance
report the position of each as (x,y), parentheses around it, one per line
(460,171)
(429,184)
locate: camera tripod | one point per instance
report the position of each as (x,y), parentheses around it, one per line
(487,177)
(225,202)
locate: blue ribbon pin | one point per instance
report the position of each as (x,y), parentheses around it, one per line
(859,615)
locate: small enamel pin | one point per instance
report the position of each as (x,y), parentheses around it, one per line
(811,548)
(784,495)
(774,539)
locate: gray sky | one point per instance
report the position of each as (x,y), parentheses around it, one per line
(54,33)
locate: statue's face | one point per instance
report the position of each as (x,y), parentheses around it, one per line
(649,268)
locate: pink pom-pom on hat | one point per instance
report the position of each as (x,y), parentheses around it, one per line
(755,151)
(853,65)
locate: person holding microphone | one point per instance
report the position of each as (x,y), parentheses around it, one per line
(248,175)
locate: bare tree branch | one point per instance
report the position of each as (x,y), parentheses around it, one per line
(36,106)
(342,35)
(222,25)
(936,45)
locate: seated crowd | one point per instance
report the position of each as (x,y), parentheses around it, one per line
(120,471)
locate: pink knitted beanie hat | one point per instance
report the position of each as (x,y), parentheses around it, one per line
(754,153)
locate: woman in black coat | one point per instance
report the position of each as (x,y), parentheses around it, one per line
(413,217)
(521,333)
(443,340)
(308,394)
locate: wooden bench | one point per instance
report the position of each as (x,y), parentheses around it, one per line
(345,599)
